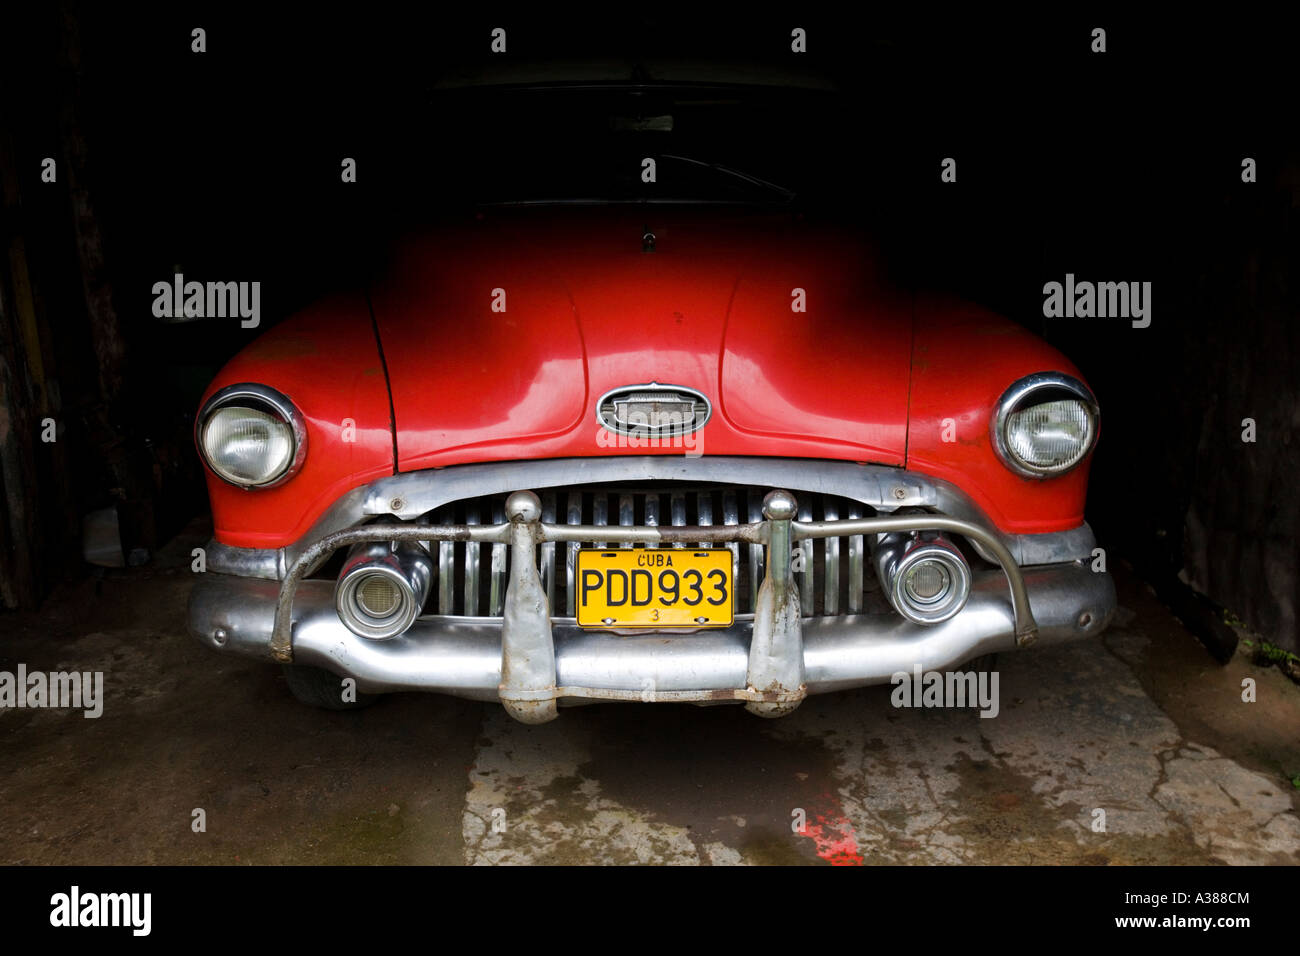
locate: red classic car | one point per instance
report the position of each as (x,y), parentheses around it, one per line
(648,444)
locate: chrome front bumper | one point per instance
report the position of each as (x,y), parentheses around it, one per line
(770,660)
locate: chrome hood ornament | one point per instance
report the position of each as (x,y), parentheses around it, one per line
(653,410)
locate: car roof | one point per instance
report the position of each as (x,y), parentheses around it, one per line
(617,73)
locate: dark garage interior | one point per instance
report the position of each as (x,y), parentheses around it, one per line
(1127,165)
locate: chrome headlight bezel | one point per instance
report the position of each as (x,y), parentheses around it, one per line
(1037,389)
(261,398)
(943,606)
(408,567)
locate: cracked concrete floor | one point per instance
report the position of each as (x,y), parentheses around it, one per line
(1141,726)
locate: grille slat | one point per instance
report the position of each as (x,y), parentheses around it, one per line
(704,512)
(446,577)
(548,550)
(832,584)
(571,558)
(807,577)
(626,514)
(471,564)
(856,547)
(600,513)
(755,550)
(677,507)
(496,599)
(731,515)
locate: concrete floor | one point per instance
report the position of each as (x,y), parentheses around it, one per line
(1142,725)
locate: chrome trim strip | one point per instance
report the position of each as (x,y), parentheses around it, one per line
(266,563)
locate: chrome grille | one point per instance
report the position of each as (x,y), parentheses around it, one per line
(472,577)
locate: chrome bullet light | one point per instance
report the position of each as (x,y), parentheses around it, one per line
(923,574)
(251,436)
(382,589)
(1044,425)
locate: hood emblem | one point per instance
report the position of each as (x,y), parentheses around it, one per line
(653,410)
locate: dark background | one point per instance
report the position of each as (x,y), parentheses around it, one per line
(1122,166)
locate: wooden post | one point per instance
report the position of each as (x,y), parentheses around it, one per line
(21,404)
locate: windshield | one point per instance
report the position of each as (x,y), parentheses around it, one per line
(627,144)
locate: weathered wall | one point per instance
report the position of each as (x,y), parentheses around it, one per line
(1242,526)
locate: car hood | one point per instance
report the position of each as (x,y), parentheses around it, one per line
(500,333)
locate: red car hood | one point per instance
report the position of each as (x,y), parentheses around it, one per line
(502,333)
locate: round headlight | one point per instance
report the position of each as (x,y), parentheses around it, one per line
(251,436)
(1045,424)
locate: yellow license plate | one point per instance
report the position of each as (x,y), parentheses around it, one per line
(654,587)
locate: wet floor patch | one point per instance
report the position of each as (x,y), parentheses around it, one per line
(185,729)
(1080,766)
(639,784)
(1205,699)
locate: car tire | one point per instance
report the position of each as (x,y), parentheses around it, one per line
(318,687)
